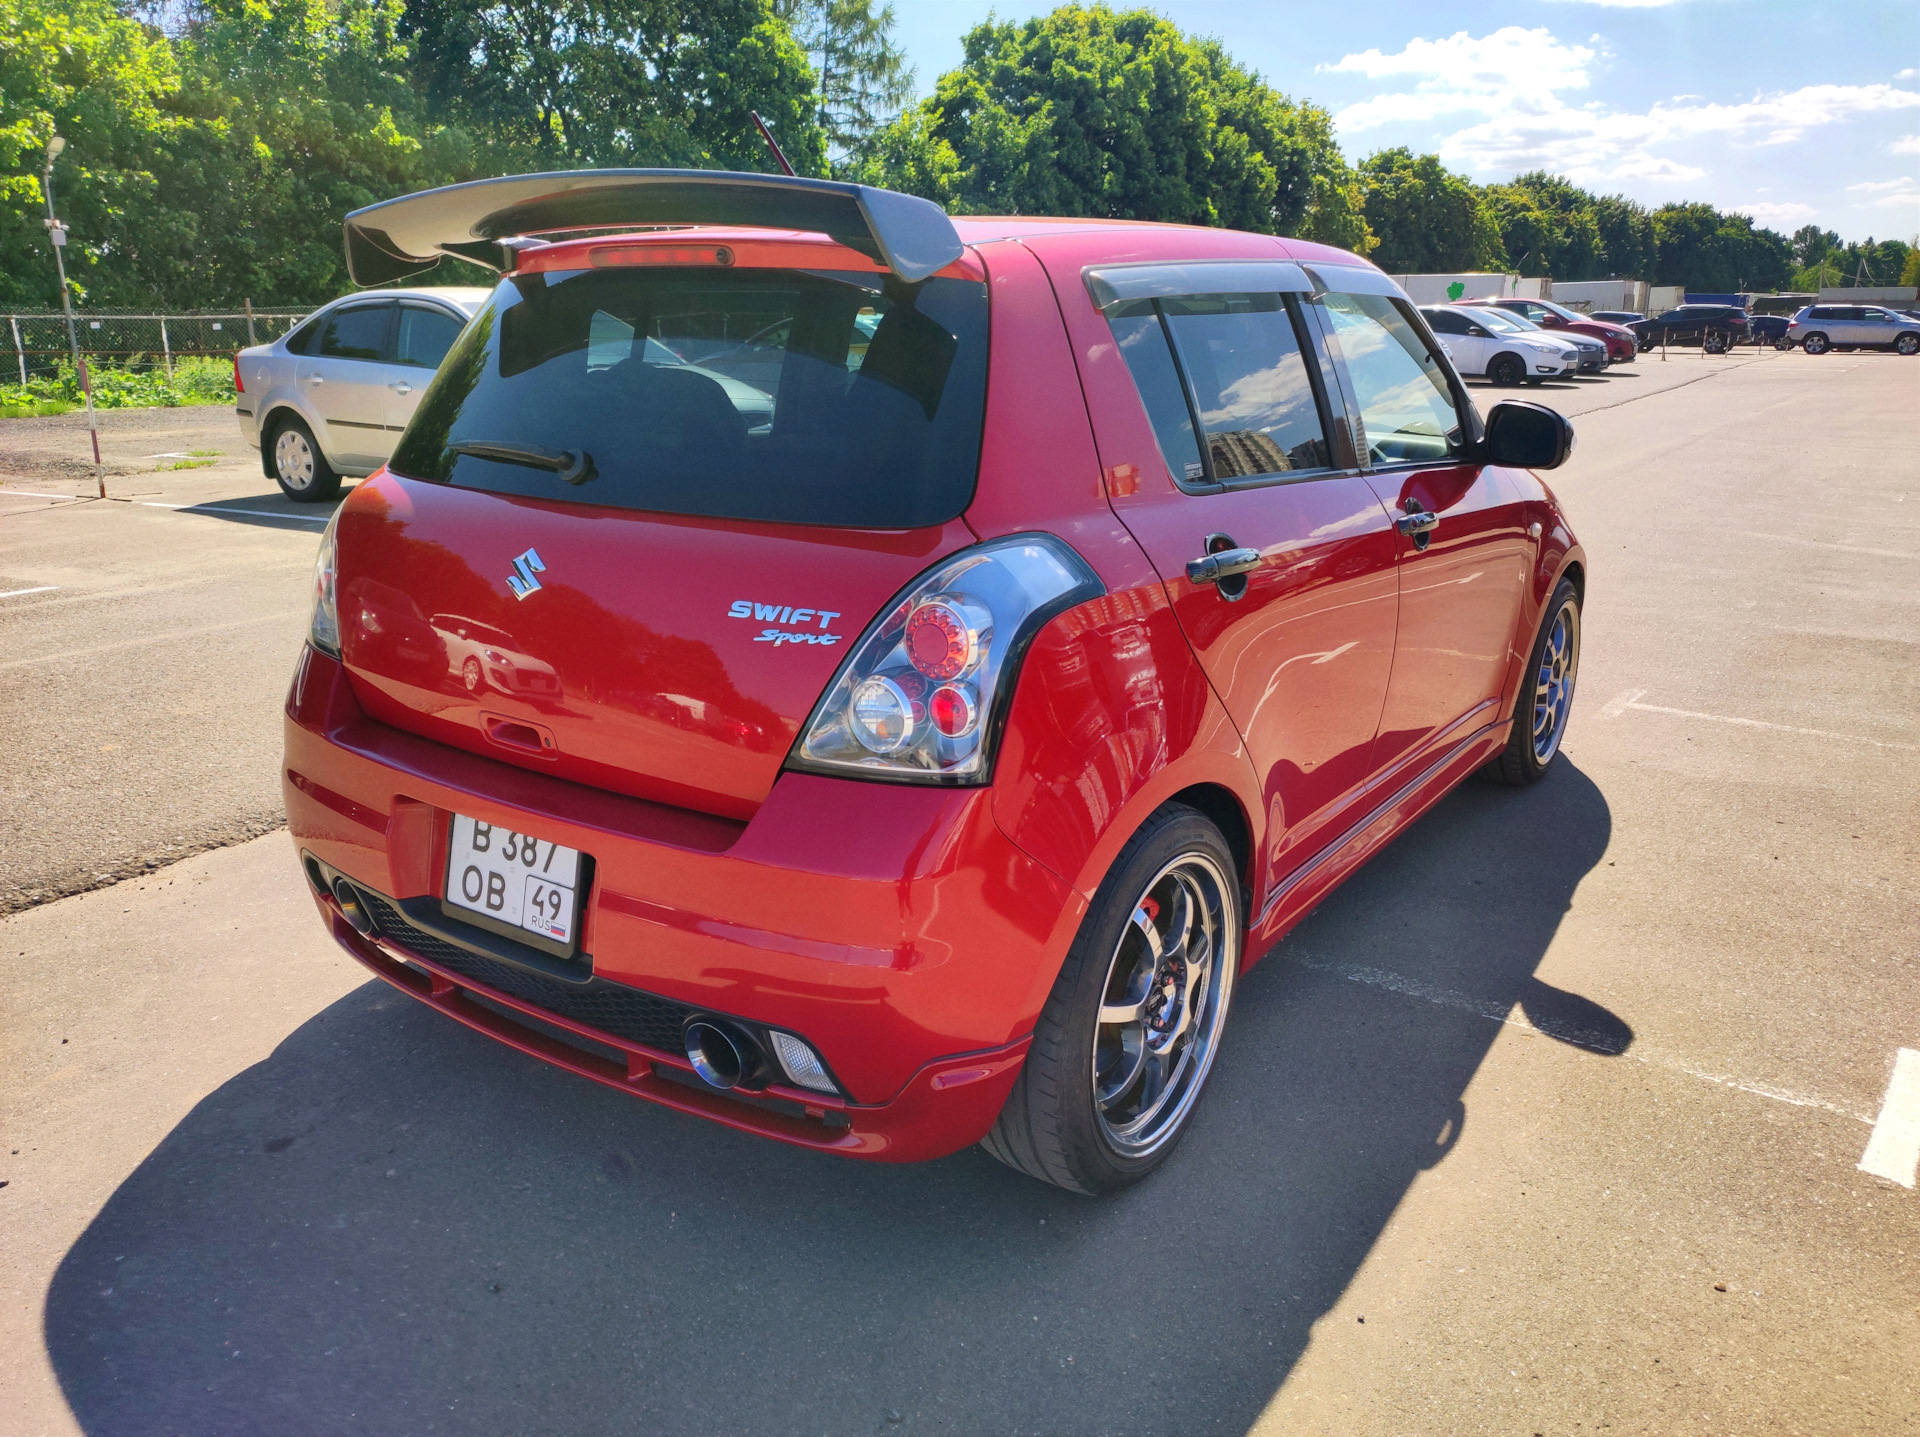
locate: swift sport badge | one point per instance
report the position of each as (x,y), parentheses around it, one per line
(782,614)
(521,580)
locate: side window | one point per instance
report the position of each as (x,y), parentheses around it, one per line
(1249,382)
(425,336)
(356,333)
(1446,322)
(301,340)
(1143,344)
(1406,406)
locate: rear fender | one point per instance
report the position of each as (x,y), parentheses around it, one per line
(1114,717)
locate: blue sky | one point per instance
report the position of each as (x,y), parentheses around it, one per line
(1795,113)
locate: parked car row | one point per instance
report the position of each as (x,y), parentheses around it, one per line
(1506,342)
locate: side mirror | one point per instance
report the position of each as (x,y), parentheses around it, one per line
(1527,436)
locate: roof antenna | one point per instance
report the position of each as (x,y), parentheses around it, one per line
(772,144)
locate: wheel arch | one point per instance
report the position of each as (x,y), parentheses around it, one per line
(277,412)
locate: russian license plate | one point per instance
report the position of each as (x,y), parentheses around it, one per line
(513,878)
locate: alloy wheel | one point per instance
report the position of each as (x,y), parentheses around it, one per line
(1908,344)
(1553,683)
(1165,1002)
(293,459)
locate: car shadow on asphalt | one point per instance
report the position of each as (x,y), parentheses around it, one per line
(269,510)
(393,1224)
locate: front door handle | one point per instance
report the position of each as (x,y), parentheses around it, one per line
(316,379)
(1223,565)
(1420,521)
(400,386)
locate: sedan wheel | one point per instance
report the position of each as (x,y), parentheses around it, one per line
(1129,1034)
(1506,371)
(299,468)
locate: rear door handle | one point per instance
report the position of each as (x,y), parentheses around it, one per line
(316,379)
(400,386)
(1223,565)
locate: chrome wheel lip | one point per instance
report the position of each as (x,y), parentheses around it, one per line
(1553,681)
(293,459)
(1182,1034)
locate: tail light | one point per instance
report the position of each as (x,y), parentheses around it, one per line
(921,698)
(323,629)
(238,386)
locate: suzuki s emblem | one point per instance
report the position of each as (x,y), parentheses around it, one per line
(521,580)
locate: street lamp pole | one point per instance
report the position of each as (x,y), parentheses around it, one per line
(57,234)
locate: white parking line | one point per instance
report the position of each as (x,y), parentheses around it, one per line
(223,509)
(39,589)
(1630,699)
(1893,1152)
(34,494)
(1511,1016)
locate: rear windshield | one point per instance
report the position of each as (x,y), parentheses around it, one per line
(803,397)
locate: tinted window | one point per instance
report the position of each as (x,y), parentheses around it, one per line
(1143,344)
(1445,321)
(425,336)
(846,399)
(301,340)
(357,333)
(1821,311)
(1249,383)
(1406,406)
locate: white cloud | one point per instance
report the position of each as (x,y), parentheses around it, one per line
(1519,82)
(1900,194)
(1906,145)
(1778,214)
(1910,73)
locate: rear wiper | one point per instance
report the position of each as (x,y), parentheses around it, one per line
(574,466)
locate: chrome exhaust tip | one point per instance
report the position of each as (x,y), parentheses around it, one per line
(723,1055)
(351,907)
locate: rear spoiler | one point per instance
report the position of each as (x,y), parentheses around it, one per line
(477,221)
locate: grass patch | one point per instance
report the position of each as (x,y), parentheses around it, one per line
(187,464)
(202,380)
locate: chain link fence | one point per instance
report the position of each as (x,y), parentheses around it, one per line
(36,344)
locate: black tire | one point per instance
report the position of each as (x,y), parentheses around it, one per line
(1528,754)
(298,465)
(1907,344)
(1815,343)
(1714,343)
(1506,370)
(1783,343)
(1054,1126)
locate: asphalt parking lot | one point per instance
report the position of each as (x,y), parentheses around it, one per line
(1548,1121)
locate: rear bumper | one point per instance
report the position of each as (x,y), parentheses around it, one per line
(249,426)
(895,928)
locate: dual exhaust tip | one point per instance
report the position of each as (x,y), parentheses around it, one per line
(725,1056)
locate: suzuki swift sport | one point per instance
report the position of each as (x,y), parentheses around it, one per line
(877,681)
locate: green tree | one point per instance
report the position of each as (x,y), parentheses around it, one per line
(1910,271)
(1704,250)
(1626,238)
(573,83)
(862,78)
(101,80)
(1428,219)
(1089,111)
(1811,244)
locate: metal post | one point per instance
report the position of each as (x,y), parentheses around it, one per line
(19,349)
(166,348)
(251,339)
(58,234)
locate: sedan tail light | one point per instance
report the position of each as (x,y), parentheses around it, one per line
(921,698)
(239,387)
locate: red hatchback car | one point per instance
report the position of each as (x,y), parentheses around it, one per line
(963,646)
